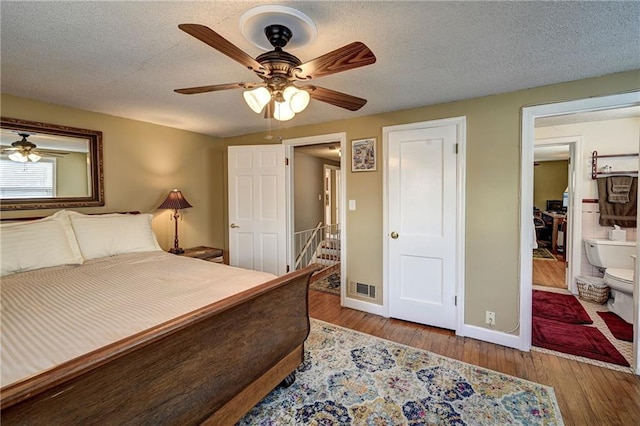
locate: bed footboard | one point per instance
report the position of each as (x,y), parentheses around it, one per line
(211,365)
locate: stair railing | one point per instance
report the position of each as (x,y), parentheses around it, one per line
(311,236)
(308,242)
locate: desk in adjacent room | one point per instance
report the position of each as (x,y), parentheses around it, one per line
(553,220)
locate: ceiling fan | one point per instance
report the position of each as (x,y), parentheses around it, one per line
(277,94)
(22,151)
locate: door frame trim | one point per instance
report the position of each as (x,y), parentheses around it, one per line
(529,114)
(326,167)
(574,237)
(461,132)
(290,145)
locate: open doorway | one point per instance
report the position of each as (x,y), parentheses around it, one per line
(316,208)
(556,120)
(553,211)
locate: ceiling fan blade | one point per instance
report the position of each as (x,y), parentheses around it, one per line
(338,99)
(215,88)
(215,40)
(50,152)
(347,57)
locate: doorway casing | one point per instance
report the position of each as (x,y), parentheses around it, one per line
(290,145)
(529,115)
(574,237)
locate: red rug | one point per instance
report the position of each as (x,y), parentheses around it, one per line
(580,340)
(620,329)
(559,307)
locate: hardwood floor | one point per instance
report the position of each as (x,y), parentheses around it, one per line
(587,394)
(549,273)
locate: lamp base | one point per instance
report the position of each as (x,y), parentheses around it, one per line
(176,250)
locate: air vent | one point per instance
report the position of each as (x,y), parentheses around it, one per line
(366,290)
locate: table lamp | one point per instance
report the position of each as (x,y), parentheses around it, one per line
(175,201)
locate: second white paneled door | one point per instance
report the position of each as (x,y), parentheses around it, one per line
(422,221)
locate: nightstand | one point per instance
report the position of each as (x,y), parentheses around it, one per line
(209,254)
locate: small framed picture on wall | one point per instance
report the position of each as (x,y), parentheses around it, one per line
(363,155)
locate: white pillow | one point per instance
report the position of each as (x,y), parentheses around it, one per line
(110,234)
(38,244)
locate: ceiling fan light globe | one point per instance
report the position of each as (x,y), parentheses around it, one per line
(283,112)
(18,157)
(297,99)
(34,157)
(257,99)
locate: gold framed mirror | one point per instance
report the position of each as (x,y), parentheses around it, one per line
(48,166)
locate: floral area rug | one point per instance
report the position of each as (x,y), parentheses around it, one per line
(543,253)
(351,378)
(330,284)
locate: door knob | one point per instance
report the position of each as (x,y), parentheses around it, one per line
(394,235)
(233,225)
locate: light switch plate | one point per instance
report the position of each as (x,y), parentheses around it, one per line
(352,204)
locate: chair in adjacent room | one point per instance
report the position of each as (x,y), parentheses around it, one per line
(540,227)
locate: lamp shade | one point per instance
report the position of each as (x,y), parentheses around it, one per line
(297,99)
(282,111)
(34,157)
(18,157)
(257,98)
(175,201)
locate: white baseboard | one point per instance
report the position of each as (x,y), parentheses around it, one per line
(472,331)
(371,308)
(491,336)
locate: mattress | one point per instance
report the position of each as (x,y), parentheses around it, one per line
(53,315)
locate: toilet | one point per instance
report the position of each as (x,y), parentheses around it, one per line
(616,258)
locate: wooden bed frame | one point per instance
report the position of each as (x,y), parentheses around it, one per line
(210,366)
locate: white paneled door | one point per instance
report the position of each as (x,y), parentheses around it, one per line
(422,220)
(257,213)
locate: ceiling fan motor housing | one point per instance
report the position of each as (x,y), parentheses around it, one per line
(278,35)
(24,144)
(278,63)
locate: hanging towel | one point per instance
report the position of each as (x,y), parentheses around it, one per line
(621,214)
(618,188)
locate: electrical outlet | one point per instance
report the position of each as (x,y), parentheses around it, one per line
(490,318)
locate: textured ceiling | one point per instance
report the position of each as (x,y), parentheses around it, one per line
(125,58)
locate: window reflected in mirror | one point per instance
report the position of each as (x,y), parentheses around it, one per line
(49,166)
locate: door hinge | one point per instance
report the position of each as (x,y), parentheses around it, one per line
(288,268)
(455,300)
(456,148)
(286,161)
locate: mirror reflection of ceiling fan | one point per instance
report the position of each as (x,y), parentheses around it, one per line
(22,151)
(277,94)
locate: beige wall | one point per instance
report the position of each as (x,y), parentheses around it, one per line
(72,178)
(550,179)
(142,163)
(493,175)
(308,190)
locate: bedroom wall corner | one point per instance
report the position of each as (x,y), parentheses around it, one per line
(142,163)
